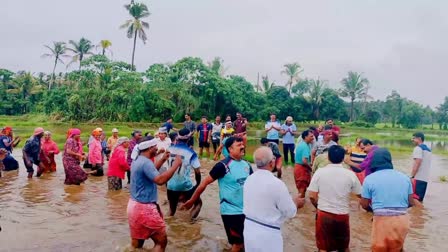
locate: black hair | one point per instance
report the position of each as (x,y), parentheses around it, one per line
(135,132)
(336,154)
(232,140)
(263,140)
(173,136)
(168,118)
(305,133)
(419,135)
(366,141)
(328,119)
(147,134)
(312,128)
(204,117)
(188,114)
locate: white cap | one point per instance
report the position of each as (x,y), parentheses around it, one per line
(114,130)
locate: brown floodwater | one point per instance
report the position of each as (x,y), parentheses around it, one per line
(43,214)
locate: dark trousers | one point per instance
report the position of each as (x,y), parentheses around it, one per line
(289,148)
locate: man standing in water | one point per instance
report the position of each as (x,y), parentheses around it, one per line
(144,215)
(231,174)
(180,185)
(240,126)
(302,168)
(191,126)
(272,128)
(267,204)
(422,165)
(31,152)
(204,136)
(330,190)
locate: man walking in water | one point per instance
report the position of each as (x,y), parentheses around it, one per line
(422,165)
(231,174)
(31,152)
(302,168)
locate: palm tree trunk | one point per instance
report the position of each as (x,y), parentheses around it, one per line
(351,109)
(53,76)
(290,85)
(104,51)
(80,61)
(133,50)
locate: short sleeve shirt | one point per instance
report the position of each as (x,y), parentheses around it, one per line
(272,134)
(181,180)
(378,187)
(190,125)
(143,188)
(288,138)
(303,150)
(168,127)
(32,147)
(424,153)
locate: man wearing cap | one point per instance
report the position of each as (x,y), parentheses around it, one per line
(288,131)
(144,215)
(390,192)
(204,136)
(180,186)
(272,128)
(163,143)
(422,165)
(112,141)
(136,136)
(31,152)
(267,205)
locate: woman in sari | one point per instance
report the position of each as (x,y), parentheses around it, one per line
(96,154)
(118,164)
(49,150)
(73,155)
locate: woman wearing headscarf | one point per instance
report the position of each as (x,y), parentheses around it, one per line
(96,154)
(49,150)
(391,194)
(118,164)
(9,142)
(144,214)
(73,155)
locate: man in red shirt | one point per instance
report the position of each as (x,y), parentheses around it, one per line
(240,125)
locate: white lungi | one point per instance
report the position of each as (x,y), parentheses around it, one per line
(258,238)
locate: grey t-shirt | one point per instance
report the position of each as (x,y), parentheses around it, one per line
(321,146)
(190,125)
(424,153)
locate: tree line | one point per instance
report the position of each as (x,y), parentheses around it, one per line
(108,90)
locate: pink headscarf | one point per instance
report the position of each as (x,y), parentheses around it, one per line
(73,132)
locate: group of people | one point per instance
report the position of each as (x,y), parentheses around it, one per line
(254,203)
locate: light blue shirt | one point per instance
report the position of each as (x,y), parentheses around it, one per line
(288,138)
(387,189)
(303,150)
(143,188)
(272,134)
(181,180)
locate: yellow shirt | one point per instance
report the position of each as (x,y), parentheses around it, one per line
(111,142)
(227,131)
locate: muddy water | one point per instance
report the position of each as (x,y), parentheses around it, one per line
(42,214)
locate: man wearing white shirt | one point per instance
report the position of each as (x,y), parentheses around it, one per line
(329,191)
(272,128)
(267,204)
(163,143)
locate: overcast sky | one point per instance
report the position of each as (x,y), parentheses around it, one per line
(398,44)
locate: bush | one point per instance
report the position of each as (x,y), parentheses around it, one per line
(361,124)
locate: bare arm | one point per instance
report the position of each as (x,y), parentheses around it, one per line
(416,166)
(201,188)
(313,198)
(365,204)
(165,176)
(162,160)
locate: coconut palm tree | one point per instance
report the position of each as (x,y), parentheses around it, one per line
(104,45)
(217,66)
(135,26)
(292,70)
(316,90)
(57,52)
(266,84)
(353,87)
(80,49)
(24,85)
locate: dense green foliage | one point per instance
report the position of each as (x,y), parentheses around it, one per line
(105,90)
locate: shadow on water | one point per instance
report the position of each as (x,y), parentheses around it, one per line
(43,214)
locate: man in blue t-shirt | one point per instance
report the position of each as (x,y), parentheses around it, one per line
(180,186)
(302,167)
(231,174)
(169,125)
(390,192)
